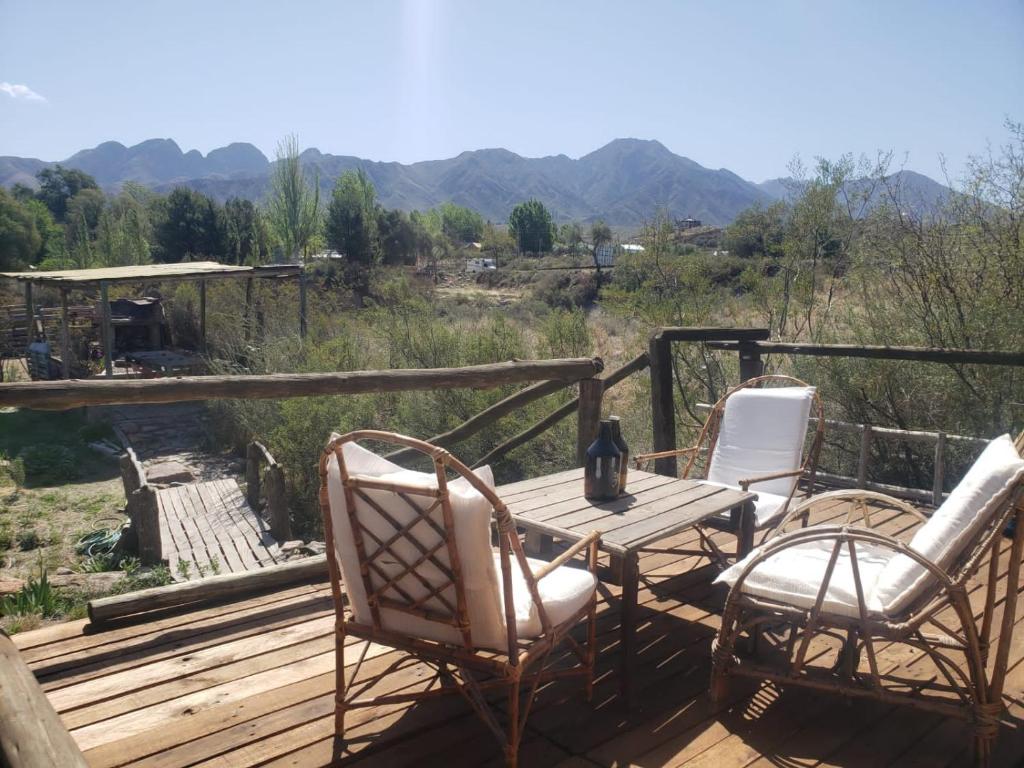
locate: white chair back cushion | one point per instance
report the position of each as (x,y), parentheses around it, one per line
(471,514)
(954,525)
(762,432)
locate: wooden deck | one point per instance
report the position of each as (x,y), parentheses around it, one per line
(211,527)
(251,683)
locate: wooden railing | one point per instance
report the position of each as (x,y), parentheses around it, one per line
(31,733)
(277,496)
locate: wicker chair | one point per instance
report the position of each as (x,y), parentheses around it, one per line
(414,552)
(755,435)
(826,595)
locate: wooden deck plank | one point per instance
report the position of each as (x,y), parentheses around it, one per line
(262,544)
(225,692)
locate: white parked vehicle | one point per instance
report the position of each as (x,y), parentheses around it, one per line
(481,265)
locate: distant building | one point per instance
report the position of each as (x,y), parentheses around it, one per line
(688,223)
(632,247)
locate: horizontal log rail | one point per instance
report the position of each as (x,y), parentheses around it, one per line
(919,354)
(635,365)
(63,395)
(212,588)
(31,733)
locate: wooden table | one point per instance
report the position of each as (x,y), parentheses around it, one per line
(653,508)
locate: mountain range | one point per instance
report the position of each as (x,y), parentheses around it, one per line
(624,182)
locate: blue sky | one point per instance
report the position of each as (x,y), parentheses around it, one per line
(741,85)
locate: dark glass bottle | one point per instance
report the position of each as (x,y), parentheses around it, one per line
(601,475)
(620,443)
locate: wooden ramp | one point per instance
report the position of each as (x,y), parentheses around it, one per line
(208,528)
(251,683)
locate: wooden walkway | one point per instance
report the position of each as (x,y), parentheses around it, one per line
(210,527)
(251,683)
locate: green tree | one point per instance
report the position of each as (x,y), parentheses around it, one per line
(758,232)
(123,233)
(58,185)
(398,237)
(351,228)
(246,238)
(530,224)
(571,235)
(600,236)
(461,225)
(294,201)
(187,227)
(20,240)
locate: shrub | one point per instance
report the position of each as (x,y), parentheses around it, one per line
(567,291)
(48,464)
(36,597)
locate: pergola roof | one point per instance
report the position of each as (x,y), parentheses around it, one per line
(194,270)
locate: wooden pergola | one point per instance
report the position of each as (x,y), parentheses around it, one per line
(201,271)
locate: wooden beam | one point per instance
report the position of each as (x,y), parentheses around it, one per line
(939,475)
(919,354)
(222,587)
(486,417)
(61,396)
(638,363)
(663,411)
(589,411)
(202,315)
(65,336)
(712,334)
(108,331)
(31,733)
(277,504)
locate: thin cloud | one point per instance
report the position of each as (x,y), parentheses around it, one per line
(16,91)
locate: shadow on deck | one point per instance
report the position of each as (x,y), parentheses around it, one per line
(252,682)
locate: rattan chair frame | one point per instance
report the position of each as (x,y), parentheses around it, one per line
(461,668)
(969,685)
(705,445)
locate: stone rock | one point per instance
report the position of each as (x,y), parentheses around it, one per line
(92,582)
(292,546)
(10,586)
(166,472)
(315,548)
(63,571)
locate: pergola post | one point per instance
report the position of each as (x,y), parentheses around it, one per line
(108,331)
(302,302)
(202,315)
(65,336)
(29,312)
(247,320)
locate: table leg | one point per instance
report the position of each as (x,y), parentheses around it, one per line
(539,544)
(745,534)
(627,621)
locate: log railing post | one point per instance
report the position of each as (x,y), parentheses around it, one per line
(589,411)
(865,453)
(939,476)
(751,365)
(252,475)
(663,412)
(145,516)
(29,314)
(277,504)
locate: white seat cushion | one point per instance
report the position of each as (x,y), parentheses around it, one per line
(967,509)
(472,519)
(563,592)
(891,581)
(762,432)
(767,508)
(794,576)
